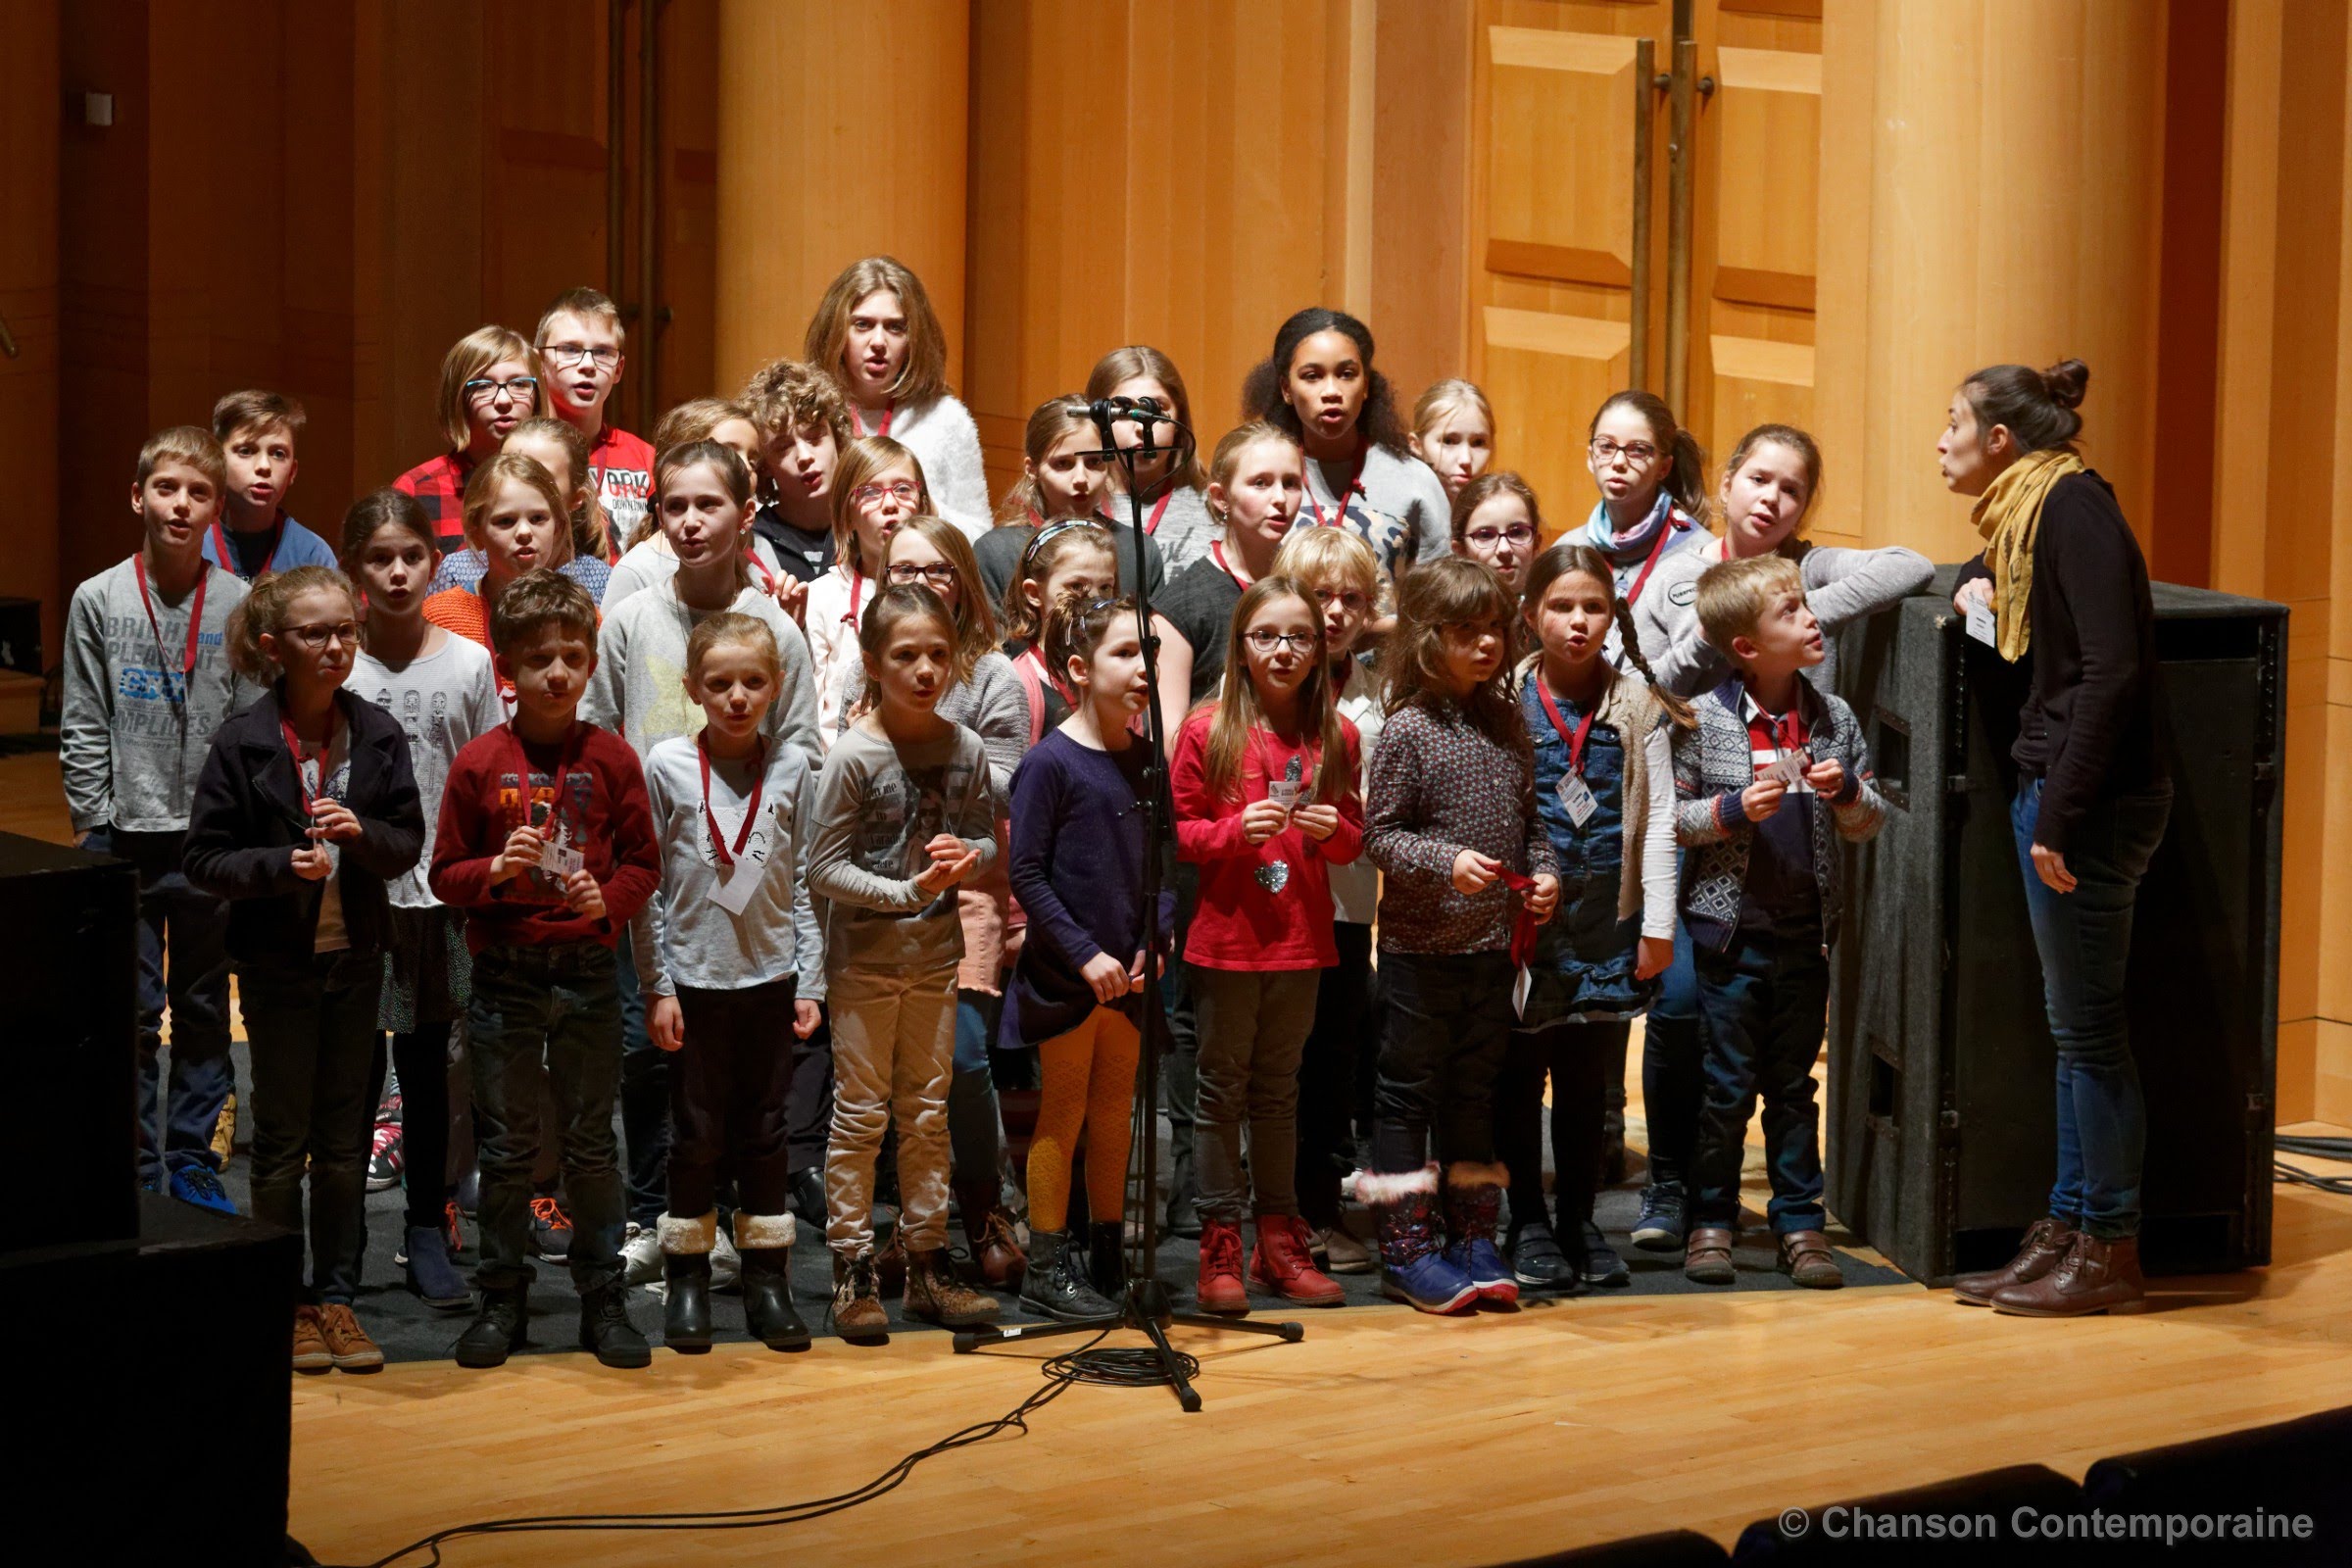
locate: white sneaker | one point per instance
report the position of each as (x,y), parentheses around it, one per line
(726,1265)
(641,1255)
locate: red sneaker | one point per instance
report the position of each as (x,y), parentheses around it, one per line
(1220,1285)
(1281,1265)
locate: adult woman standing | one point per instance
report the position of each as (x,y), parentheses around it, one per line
(2064,580)
(876,334)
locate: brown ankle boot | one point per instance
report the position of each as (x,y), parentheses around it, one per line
(2045,1242)
(2094,1275)
(933,1292)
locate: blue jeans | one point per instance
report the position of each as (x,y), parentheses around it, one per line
(193,926)
(975,1128)
(1765,1002)
(559,1004)
(1674,1066)
(311,1026)
(2084,941)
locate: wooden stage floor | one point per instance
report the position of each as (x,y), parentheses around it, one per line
(1385,1435)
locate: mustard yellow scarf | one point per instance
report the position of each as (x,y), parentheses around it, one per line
(2007,517)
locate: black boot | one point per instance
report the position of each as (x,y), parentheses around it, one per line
(605,1328)
(1106,1260)
(1054,1285)
(1184,1190)
(686,1316)
(765,1242)
(498,1331)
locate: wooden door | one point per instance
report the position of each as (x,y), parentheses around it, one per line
(1557,205)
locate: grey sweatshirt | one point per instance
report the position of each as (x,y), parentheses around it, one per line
(991,703)
(130,747)
(639,685)
(877,806)
(1415,523)
(1840,585)
(692,940)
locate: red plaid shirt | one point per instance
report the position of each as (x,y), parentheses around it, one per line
(623,469)
(1769,736)
(439,485)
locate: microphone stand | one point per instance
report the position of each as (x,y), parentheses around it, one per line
(1145,1307)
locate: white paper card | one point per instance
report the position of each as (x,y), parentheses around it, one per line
(1982,625)
(1285,792)
(1521,983)
(1790,768)
(1576,795)
(558,858)
(739,883)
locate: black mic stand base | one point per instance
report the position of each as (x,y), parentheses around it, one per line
(1146,1310)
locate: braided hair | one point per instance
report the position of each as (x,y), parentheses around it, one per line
(1567,557)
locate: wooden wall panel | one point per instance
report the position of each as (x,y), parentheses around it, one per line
(28,305)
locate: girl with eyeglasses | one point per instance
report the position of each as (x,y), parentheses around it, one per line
(878,485)
(1653,490)
(489,384)
(875,333)
(1265,783)
(305,809)
(1497,521)
(1065,478)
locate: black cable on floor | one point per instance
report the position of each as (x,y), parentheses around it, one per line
(1062,1372)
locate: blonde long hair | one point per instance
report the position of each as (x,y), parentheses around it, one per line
(1238,710)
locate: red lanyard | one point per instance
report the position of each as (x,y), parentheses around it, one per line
(1061,688)
(751,808)
(1647,566)
(1216,549)
(856,597)
(1355,487)
(301,781)
(1523,922)
(890,411)
(229,561)
(1159,510)
(767,578)
(574,740)
(187,664)
(1584,727)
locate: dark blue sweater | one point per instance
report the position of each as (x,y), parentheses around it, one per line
(1077,866)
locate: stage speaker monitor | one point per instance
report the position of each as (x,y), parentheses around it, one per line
(1942,1127)
(69,971)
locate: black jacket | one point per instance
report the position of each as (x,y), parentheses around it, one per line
(247,821)
(2089,727)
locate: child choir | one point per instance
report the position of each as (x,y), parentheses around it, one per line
(752,782)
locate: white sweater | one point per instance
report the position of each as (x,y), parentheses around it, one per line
(947,443)
(833,638)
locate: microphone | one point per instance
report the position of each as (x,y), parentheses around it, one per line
(1142,413)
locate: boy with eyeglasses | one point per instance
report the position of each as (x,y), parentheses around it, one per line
(579,343)
(147,681)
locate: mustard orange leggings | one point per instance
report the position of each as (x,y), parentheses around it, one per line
(1089,1084)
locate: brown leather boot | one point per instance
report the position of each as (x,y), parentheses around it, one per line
(1708,1256)
(933,1292)
(2045,1242)
(1808,1261)
(2094,1275)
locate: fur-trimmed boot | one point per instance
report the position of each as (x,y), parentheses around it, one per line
(1412,1266)
(686,1265)
(1473,1203)
(765,1242)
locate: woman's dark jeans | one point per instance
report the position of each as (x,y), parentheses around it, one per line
(2085,940)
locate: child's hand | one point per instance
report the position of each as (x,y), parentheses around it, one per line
(1317,822)
(1653,958)
(1762,798)
(951,863)
(520,854)
(1544,899)
(792,596)
(664,1022)
(1108,976)
(1827,776)
(807,1016)
(584,897)
(1134,970)
(332,819)
(1473,872)
(312,863)
(1262,820)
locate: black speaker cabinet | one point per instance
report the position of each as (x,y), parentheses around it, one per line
(1942,1129)
(69,971)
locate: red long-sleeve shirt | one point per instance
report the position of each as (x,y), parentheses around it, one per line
(1240,921)
(601,807)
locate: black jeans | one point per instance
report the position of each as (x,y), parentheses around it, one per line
(311,1026)
(191,925)
(730,1099)
(1327,1076)
(1579,1059)
(810,1120)
(645,1098)
(1766,1001)
(420,1059)
(559,1004)
(1448,1025)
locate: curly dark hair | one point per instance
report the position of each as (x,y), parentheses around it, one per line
(1261,388)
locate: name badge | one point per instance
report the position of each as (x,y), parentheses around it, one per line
(1285,792)
(1982,625)
(1790,768)
(1576,795)
(738,884)
(558,858)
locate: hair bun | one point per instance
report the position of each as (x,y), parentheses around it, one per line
(2066,381)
